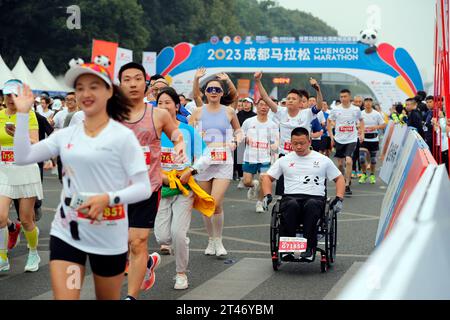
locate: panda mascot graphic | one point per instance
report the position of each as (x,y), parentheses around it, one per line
(369,37)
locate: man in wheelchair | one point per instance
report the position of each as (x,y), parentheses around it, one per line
(305,173)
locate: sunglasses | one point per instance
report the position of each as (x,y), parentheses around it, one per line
(214,90)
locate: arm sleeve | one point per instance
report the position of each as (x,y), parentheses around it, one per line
(275,170)
(24,152)
(314,110)
(138,190)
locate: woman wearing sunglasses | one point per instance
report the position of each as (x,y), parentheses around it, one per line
(220,129)
(104,170)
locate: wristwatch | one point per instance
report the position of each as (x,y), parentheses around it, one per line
(113,199)
(193,171)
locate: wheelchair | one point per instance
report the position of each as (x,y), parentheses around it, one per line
(326,234)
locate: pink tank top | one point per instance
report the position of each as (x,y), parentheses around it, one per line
(145,131)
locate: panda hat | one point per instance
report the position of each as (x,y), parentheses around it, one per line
(97,68)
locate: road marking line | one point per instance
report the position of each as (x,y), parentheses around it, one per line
(234,283)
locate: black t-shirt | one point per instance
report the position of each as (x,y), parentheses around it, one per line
(415,120)
(44,126)
(244,115)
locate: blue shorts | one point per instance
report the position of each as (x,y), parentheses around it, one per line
(254,168)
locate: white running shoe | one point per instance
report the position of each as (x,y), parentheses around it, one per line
(181,282)
(211,249)
(253,192)
(4,264)
(259,207)
(32,262)
(241,184)
(220,250)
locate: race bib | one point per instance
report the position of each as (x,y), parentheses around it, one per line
(147,156)
(346,129)
(288,244)
(287,146)
(109,214)
(7,154)
(259,145)
(219,156)
(167,158)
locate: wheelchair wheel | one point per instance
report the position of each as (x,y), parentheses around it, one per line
(333,237)
(275,236)
(330,238)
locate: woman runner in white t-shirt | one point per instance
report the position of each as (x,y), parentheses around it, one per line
(104,166)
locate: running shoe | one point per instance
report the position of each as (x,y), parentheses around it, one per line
(359,174)
(154,260)
(372,179)
(211,249)
(220,250)
(252,193)
(363,178)
(181,282)
(354,175)
(259,207)
(4,264)
(14,236)
(241,184)
(32,262)
(348,191)
(308,254)
(165,250)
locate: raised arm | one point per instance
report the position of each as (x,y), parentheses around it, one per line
(197,94)
(233,93)
(316,87)
(273,106)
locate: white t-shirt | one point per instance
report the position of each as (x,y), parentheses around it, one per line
(288,123)
(321,117)
(372,119)
(304,175)
(260,135)
(47,114)
(77,118)
(59,118)
(96,165)
(346,121)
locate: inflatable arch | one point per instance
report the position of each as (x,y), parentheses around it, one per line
(390,72)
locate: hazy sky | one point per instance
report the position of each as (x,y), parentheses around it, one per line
(403,23)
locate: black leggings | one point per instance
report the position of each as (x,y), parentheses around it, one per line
(297,209)
(356,163)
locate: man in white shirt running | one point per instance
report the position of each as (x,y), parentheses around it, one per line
(345,119)
(296,114)
(305,173)
(261,138)
(373,121)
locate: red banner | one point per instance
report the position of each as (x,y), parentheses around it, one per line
(105,48)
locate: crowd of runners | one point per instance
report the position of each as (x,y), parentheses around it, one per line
(135,159)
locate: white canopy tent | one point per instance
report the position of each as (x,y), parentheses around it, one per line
(42,75)
(5,73)
(24,74)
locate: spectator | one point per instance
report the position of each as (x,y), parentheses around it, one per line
(414,117)
(428,125)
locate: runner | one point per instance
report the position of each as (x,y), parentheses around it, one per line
(217,124)
(326,141)
(174,214)
(18,182)
(244,114)
(147,123)
(345,118)
(296,114)
(373,123)
(104,171)
(261,139)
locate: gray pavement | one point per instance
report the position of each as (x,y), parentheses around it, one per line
(246,273)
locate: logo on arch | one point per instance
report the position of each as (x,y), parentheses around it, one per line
(171,57)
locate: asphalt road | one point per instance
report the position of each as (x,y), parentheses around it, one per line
(245,274)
